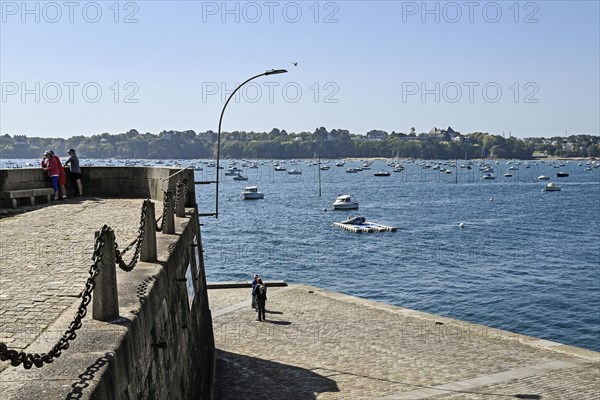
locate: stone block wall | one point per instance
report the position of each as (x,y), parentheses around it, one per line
(168,349)
(123,182)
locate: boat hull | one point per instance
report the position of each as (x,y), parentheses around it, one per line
(253,196)
(345,206)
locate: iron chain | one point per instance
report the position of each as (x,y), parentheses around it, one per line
(167,198)
(30,359)
(181,188)
(138,245)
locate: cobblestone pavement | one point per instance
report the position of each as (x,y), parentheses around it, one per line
(318,344)
(45,256)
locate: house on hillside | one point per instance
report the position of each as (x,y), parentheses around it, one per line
(377,135)
(443,134)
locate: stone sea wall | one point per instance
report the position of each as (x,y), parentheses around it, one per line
(161,346)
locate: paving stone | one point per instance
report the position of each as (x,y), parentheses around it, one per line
(324,345)
(45,255)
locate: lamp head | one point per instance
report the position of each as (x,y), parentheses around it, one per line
(276,71)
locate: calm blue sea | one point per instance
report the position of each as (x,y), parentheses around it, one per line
(526,261)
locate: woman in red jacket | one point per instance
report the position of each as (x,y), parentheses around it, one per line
(62,177)
(51,166)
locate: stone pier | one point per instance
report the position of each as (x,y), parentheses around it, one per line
(318,344)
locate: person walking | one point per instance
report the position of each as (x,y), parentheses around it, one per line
(49,164)
(73,163)
(254,285)
(261,299)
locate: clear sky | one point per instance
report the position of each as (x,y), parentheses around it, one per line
(84,68)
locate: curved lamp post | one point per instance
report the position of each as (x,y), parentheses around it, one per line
(269,72)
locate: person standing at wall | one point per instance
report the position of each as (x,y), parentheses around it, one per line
(73,163)
(261,299)
(254,285)
(62,177)
(50,165)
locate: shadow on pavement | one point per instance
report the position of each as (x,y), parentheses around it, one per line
(244,377)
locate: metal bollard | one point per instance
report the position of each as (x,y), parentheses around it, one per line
(169,226)
(148,250)
(180,202)
(105,300)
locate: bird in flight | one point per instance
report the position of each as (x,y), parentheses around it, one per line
(295,64)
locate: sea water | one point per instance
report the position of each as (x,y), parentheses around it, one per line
(525,260)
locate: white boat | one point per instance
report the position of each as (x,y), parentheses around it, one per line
(294,171)
(351,171)
(543,178)
(551,187)
(345,202)
(488,176)
(252,193)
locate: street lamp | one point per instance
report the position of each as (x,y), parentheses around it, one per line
(269,72)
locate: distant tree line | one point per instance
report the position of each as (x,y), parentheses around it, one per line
(337,143)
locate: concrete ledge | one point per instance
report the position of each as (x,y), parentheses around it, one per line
(245,284)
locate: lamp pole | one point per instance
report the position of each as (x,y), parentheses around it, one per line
(269,72)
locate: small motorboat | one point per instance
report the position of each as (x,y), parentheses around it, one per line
(354,220)
(508,175)
(351,171)
(381,173)
(551,187)
(543,178)
(252,193)
(562,174)
(294,171)
(345,202)
(239,177)
(488,176)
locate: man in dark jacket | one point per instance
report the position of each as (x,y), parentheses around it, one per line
(261,299)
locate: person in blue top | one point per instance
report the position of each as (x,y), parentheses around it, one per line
(254,285)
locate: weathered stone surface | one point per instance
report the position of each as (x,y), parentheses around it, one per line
(159,347)
(318,344)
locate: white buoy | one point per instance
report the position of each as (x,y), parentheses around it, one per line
(462,225)
(491,199)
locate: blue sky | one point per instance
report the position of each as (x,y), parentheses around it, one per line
(83,68)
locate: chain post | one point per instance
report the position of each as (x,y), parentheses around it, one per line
(148,250)
(180,204)
(169,223)
(105,306)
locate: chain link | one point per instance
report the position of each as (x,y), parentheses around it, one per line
(181,187)
(167,198)
(138,245)
(30,359)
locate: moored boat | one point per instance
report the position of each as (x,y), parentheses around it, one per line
(551,187)
(345,202)
(252,193)
(381,173)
